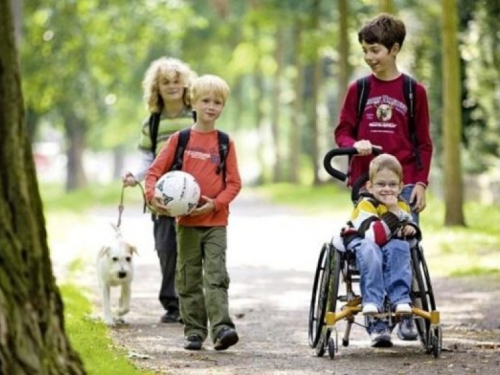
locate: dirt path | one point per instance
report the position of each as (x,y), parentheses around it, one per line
(272,258)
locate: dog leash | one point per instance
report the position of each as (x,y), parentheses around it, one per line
(121,206)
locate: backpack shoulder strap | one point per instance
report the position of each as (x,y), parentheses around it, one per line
(181,147)
(223,140)
(363,89)
(409,90)
(154,123)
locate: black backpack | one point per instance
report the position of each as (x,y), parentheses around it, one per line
(223,140)
(409,88)
(154,124)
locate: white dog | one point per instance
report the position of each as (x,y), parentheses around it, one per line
(115,267)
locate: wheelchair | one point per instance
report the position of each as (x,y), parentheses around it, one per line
(334,296)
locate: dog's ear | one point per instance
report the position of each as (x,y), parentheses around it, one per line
(104,251)
(133,249)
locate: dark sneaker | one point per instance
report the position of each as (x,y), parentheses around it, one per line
(171,316)
(193,342)
(225,338)
(407,330)
(381,339)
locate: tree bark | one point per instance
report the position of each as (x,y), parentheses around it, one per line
(32,335)
(452,117)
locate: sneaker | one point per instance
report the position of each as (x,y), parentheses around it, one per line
(370,309)
(225,338)
(193,342)
(407,330)
(171,316)
(381,339)
(403,308)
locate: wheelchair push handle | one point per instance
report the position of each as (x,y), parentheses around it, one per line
(335,173)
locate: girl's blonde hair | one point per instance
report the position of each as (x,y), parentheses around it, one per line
(209,83)
(385,161)
(165,67)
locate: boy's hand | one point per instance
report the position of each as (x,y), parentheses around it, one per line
(417,198)
(129,180)
(365,147)
(157,204)
(391,201)
(409,231)
(205,208)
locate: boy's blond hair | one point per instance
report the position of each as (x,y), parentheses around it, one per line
(209,84)
(168,67)
(384,29)
(385,161)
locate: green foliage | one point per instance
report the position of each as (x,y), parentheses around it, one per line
(90,337)
(97,78)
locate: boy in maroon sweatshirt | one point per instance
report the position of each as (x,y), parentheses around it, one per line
(384,122)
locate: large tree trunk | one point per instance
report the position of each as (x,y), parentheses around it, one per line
(32,336)
(452,117)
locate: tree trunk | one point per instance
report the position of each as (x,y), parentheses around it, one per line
(314,98)
(344,50)
(76,132)
(297,116)
(276,106)
(259,114)
(32,336)
(452,117)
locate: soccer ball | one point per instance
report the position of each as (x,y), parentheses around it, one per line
(179,192)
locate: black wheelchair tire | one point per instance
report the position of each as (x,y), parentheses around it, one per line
(423,298)
(319,296)
(335,267)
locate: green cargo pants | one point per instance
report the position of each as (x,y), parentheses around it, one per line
(202,280)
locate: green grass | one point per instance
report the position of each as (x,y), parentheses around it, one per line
(64,212)
(90,339)
(450,251)
(325,198)
(55,199)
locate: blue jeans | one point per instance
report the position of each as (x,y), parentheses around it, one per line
(406,194)
(384,270)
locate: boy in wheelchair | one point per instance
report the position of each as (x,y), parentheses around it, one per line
(380,233)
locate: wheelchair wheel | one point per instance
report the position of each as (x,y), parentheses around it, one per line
(319,297)
(331,348)
(323,342)
(423,296)
(335,267)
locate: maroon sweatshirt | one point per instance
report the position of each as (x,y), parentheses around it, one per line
(385,123)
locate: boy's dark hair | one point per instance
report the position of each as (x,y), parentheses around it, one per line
(383,29)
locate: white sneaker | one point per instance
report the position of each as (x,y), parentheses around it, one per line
(403,308)
(370,309)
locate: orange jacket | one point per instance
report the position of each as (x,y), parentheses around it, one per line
(201,159)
